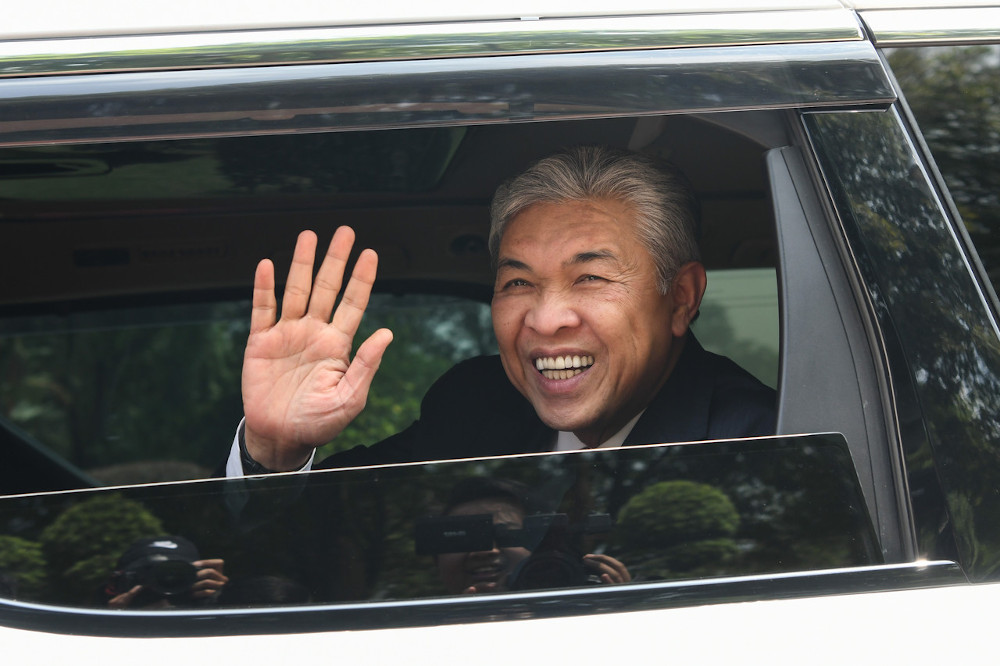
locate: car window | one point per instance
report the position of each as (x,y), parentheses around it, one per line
(739,319)
(941,339)
(640,514)
(139,395)
(952,92)
(124,366)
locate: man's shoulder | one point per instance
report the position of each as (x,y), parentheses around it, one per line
(741,405)
(708,396)
(475,379)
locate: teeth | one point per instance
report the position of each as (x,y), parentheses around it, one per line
(563,367)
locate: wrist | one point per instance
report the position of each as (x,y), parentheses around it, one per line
(259,456)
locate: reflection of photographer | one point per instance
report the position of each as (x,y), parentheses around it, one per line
(163,572)
(486,542)
(558,557)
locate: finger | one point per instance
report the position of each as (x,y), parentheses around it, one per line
(352,306)
(479,588)
(264,305)
(216,564)
(361,371)
(299,277)
(204,587)
(608,566)
(124,600)
(330,277)
(211,575)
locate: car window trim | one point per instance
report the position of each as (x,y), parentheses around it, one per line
(200,50)
(933,26)
(479,608)
(314,98)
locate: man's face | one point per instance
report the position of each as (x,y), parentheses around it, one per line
(575,289)
(486,570)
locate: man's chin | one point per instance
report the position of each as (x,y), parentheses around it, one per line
(564,423)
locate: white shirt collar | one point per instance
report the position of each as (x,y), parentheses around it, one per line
(567,441)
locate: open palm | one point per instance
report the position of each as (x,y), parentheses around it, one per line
(301,387)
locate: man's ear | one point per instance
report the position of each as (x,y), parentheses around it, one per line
(686,291)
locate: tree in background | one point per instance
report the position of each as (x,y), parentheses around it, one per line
(22,568)
(83,544)
(677,529)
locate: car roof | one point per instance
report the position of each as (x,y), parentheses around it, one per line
(61,18)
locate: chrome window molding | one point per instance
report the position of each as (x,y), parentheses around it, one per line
(933,26)
(479,608)
(261,100)
(36,57)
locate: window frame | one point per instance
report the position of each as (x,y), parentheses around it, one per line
(798,77)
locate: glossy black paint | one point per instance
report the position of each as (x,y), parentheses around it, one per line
(670,512)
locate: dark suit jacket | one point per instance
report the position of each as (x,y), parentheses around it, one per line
(473,410)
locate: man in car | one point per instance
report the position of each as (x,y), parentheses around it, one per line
(597,281)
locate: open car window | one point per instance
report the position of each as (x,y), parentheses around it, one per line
(123,365)
(542,521)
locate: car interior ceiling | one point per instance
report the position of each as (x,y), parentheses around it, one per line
(127,219)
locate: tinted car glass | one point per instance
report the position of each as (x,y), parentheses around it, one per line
(952,92)
(393,532)
(943,346)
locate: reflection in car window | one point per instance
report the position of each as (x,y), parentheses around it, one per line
(953,94)
(541,521)
(147,395)
(952,359)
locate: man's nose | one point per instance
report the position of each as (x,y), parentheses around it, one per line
(550,313)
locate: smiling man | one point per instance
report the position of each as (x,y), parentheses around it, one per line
(598,278)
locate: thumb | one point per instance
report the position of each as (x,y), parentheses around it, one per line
(366,362)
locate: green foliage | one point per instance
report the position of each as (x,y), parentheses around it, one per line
(431,334)
(23,560)
(954,94)
(677,526)
(165,387)
(83,544)
(913,271)
(129,402)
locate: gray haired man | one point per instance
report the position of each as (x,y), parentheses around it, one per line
(598,278)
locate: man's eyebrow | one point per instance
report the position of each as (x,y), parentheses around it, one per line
(593,255)
(579,258)
(513,264)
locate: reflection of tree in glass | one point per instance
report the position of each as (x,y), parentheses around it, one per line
(915,275)
(23,563)
(84,542)
(677,529)
(954,93)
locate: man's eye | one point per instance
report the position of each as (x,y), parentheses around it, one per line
(516,282)
(590,278)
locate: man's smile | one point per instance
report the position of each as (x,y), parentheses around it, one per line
(563,367)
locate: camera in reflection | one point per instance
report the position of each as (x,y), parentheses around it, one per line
(163,566)
(554,542)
